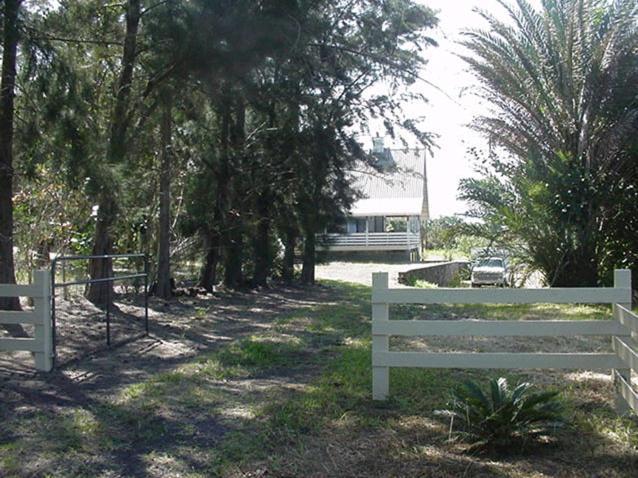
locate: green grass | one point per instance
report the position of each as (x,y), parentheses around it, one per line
(343,391)
(503,311)
(445,254)
(285,430)
(250,356)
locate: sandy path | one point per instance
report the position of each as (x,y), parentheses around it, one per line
(361,272)
(180,331)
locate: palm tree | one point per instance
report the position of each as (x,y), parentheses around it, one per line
(563,85)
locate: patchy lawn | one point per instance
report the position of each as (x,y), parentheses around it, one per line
(277,383)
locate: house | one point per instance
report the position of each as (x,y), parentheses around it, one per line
(390,216)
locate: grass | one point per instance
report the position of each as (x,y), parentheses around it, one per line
(445,254)
(337,405)
(249,356)
(219,415)
(503,311)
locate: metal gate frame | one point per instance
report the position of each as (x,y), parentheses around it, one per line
(114,278)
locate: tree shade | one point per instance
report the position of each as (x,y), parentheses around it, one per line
(213,132)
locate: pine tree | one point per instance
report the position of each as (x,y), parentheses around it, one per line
(7,91)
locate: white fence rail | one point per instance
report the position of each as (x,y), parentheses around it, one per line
(373,241)
(621,328)
(40,317)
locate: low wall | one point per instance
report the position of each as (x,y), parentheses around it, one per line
(391,257)
(440,274)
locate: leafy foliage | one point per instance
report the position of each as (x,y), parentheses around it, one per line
(559,180)
(266,100)
(500,416)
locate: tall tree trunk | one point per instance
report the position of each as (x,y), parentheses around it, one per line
(100,268)
(233,253)
(164,289)
(212,235)
(234,226)
(208,276)
(99,293)
(7,91)
(222,207)
(261,242)
(290,243)
(262,250)
(309,259)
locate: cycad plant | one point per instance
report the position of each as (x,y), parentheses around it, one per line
(561,79)
(501,417)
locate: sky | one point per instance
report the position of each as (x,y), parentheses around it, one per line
(449,112)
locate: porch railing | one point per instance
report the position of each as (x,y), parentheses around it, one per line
(372,240)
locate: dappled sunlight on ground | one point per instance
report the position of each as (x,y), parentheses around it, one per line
(278,383)
(361,272)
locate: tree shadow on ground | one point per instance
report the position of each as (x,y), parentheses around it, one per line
(81,402)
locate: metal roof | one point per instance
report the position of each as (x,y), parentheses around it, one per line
(398,191)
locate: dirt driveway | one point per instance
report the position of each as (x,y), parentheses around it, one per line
(105,406)
(361,272)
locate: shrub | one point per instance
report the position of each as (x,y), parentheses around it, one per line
(412,281)
(500,417)
(423,284)
(458,278)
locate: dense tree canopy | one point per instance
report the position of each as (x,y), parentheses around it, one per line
(560,181)
(214,132)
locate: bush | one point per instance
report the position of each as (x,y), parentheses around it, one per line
(462,275)
(412,281)
(501,417)
(423,284)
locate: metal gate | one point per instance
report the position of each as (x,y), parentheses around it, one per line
(63,260)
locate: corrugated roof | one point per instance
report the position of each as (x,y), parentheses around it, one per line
(387,207)
(401,187)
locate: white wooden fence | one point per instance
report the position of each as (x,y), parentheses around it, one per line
(621,328)
(40,317)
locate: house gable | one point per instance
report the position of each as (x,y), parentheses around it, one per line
(399,190)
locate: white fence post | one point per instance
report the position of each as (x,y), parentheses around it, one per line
(42,335)
(380,343)
(622,280)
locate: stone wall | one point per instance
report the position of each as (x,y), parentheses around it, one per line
(440,274)
(393,257)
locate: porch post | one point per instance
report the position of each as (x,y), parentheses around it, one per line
(367,229)
(419,243)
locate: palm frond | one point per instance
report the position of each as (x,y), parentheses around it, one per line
(503,416)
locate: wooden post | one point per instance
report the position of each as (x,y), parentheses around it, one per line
(42,335)
(622,280)
(65,289)
(367,229)
(380,343)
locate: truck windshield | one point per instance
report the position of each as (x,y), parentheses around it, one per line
(492,262)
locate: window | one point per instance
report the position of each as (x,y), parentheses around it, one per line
(491,262)
(376,224)
(397,224)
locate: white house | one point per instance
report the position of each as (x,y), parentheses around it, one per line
(394,205)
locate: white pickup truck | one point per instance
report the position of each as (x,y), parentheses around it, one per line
(490,271)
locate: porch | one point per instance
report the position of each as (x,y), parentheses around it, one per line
(373,241)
